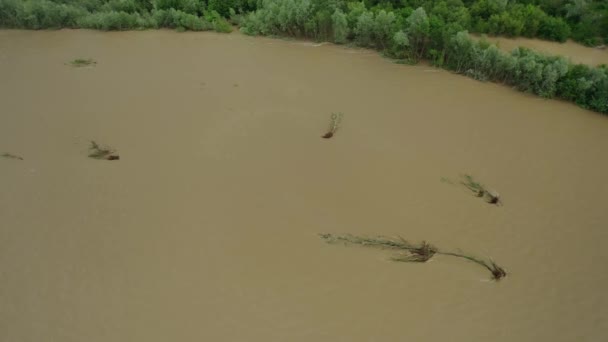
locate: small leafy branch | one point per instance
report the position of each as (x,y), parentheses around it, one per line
(82,62)
(10,156)
(480,190)
(336,119)
(410,252)
(101,152)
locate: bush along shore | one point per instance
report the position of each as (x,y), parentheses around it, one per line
(438,38)
(108,15)
(585,21)
(407,30)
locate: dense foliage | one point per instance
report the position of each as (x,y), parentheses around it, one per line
(583,20)
(196,15)
(440,36)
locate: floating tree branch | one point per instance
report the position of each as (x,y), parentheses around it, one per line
(10,156)
(497,271)
(480,190)
(99,152)
(336,118)
(82,62)
(410,252)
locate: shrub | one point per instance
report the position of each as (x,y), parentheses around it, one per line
(554,29)
(38,14)
(177,19)
(340,26)
(188,6)
(401,44)
(128,6)
(222,6)
(111,21)
(222,25)
(364,30)
(280,17)
(418,31)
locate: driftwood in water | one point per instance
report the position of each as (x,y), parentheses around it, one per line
(11,156)
(336,118)
(409,252)
(480,190)
(82,62)
(104,153)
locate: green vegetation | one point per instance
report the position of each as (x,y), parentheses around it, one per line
(100,152)
(372,21)
(437,31)
(478,189)
(10,156)
(473,185)
(336,118)
(82,62)
(409,252)
(195,15)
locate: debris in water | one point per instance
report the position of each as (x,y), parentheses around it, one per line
(336,118)
(11,156)
(105,153)
(478,189)
(82,62)
(409,252)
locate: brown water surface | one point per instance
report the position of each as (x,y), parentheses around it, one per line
(206,229)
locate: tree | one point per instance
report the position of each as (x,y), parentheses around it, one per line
(340,26)
(221,6)
(418,31)
(401,44)
(384,28)
(365,28)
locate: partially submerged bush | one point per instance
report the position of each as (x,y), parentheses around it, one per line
(276,17)
(480,190)
(336,118)
(82,62)
(410,252)
(10,156)
(39,14)
(115,21)
(529,71)
(177,19)
(102,152)
(340,27)
(219,24)
(439,33)
(110,15)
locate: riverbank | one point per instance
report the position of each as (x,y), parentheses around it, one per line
(571,50)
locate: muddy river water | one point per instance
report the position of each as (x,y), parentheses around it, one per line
(206,229)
